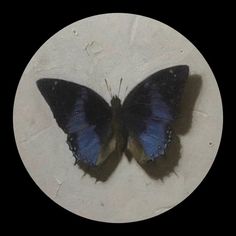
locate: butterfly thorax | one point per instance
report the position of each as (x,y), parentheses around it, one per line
(116,110)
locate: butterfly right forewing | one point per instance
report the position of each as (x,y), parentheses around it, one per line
(149,110)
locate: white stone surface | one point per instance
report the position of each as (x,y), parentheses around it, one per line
(112,46)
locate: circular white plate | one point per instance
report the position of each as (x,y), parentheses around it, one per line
(112,46)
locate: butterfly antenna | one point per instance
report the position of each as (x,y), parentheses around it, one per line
(126,90)
(108,88)
(121,79)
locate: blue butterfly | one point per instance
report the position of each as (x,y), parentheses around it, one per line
(140,126)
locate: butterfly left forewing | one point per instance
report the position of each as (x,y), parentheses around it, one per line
(83,115)
(149,110)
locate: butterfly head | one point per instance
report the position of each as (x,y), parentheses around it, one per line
(115,102)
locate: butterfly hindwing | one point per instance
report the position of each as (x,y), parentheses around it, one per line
(83,115)
(150,108)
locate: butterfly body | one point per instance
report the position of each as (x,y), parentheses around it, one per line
(141,126)
(118,125)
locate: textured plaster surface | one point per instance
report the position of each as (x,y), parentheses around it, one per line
(112,46)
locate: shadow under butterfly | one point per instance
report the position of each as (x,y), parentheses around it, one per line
(98,133)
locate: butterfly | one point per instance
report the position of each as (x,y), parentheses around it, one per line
(140,126)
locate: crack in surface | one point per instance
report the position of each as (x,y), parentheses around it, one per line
(133,30)
(93,48)
(35,135)
(201,113)
(60,182)
(163,209)
(51,68)
(58,187)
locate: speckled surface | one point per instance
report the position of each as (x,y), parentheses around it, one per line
(112,46)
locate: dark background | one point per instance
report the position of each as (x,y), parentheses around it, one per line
(27,27)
